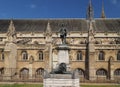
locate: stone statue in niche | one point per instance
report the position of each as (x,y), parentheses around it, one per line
(63,34)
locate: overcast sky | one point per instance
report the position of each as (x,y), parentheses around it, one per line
(56,8)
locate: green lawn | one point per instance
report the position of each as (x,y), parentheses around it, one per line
(21,85)
(38,85)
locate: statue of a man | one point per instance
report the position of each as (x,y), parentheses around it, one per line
(63,34)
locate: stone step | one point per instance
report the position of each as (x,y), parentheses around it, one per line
(61,76)
(51,82)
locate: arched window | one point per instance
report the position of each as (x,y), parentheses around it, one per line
(101,55)
(79,55)
(2,55)
(101,72)
(118,55)
(40,71)
(117,72)
(24,73)
(40,56)
(81,72)
(24,55)
(1,71)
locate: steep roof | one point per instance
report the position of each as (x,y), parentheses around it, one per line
(108,25)
(39,25)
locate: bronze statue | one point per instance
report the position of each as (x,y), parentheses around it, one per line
(63,34)
(62,69)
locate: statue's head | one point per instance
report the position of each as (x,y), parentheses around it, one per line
(62,25)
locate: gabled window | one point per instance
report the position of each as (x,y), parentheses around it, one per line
(118,55)
(101,55)
(24,55)
(79,55)
(40,56)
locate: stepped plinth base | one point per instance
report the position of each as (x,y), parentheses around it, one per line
(61,80)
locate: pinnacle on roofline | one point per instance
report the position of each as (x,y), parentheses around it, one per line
(103,12)
(90,12)
(48,29)
(11,33)
(90,2)
(11,26)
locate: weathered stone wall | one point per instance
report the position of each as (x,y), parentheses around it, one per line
(76,42)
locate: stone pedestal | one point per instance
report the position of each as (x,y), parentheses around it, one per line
(61,80)
(61,83)
(63,55)
(10,60)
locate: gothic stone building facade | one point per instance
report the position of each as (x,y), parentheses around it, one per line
(28,47)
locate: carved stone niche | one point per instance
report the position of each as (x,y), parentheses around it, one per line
(97,42)
(106,33)
(69,33)
(76,41)
(36,42)
(71,40)
(55,52)
(82,42)
(118,33)
(111,42)
(31,59)
(1,39)
(68,41)
(105,41)
(81,33)
(32,33)
(20,34)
